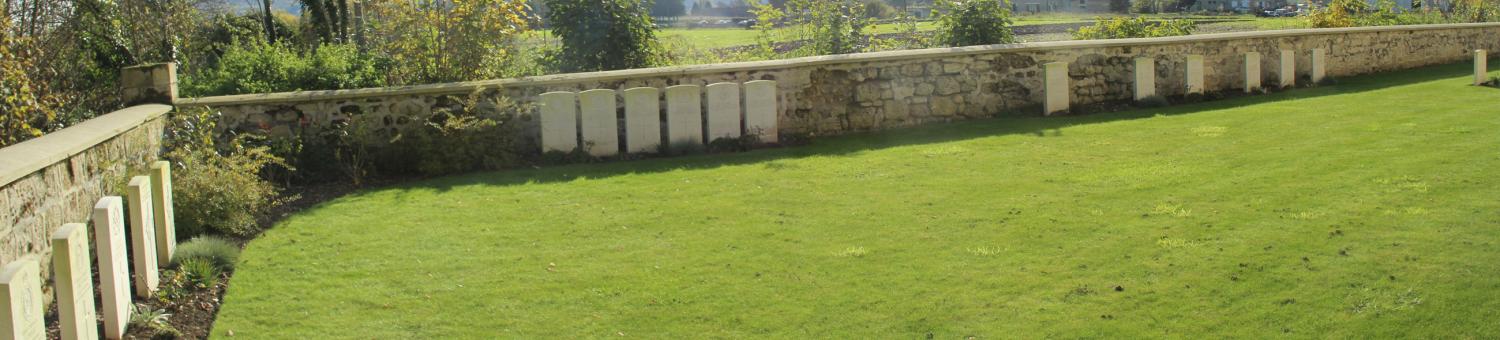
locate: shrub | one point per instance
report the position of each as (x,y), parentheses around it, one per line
(446,41)
(974,22)
(219,252)
(217,188)
(260,67)
(1338,13)
(1120,28)
(1476,11)
(600,35)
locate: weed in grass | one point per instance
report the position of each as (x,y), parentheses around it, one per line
(851,252)
(1169,209)
(985,251)
(1210,131)
(1172,243)
(1380,301)
(1403,184)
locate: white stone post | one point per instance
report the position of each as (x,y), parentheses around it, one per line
(1288,68)
(761,108)
(642,119)
(1252,71)
(142,236)
(21,301)
(1145,78)
(166,221)
(559,121)
(1319,65)
(684,114)
(74,282)
(724,110)
(601,129)
(1481,67)
(1057,89)
(114,271)
(1195,74)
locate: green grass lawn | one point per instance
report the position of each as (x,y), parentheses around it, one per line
(1366,209)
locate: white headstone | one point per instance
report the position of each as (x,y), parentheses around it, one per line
(1481,67)
(601,127)
(1252,71)
(74,282)
(684,114)
(21,301)
(1057,90)
(761,110)
(1195,74)
(723,110)
(1319,65)
(161,207)
(1145,78)
(1288,74)
(642,119)
(559,121)
(114,271)
(142,236)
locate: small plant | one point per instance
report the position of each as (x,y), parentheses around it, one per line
(217,251)
(157,321)
(217,187)
(201,273)
(985,251)
(736,144)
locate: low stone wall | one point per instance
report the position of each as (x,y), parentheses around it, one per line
(870,91)
(56,179)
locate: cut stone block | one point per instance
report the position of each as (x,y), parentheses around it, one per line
(601,126)
(114,271)
(1194,74)
(1145,78)
(1319,65)
(761,110)
(642,119)
(559,121)
(1481,67)
(1288,74)
(74,282)
(142,236)
(724,110)
(1252,71)
(166,221)
(684,115)
(21,301)
(1057,88)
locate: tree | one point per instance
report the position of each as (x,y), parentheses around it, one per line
(431,41)
(974,22)
(25,108)
(600,35)
(329,19)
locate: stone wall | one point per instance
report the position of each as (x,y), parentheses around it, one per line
(57,178)
(838,94)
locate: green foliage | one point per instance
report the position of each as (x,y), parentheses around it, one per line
(821,27)
(1153,6)
(25,106)
(974,22)
(879,9)
(1139,27)
(1338,13)
(446,41)
(222,31)
(260,67)
(157,321)
(1476,11)
(1388,13)
(217,251)
(327,19)
(601,35)
(217,188)
(200,273)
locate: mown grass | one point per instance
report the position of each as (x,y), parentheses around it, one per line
(1362,210)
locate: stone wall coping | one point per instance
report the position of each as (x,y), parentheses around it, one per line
(678,71)
(25,158)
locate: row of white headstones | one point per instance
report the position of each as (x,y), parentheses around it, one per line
(1058,92)
(588,119)
(153,239)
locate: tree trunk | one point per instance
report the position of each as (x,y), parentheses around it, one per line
(265,6)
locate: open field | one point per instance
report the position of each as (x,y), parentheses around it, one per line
(1365,209)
